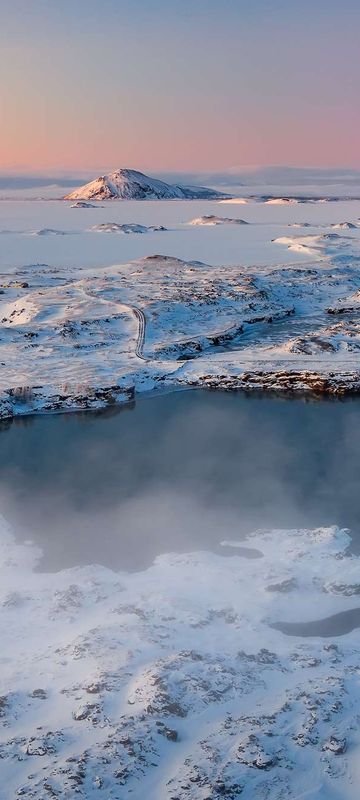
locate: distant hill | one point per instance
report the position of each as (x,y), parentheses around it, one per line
(128,184)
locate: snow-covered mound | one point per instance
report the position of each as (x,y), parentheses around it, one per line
(241,201)
(344,226)
(127,227)
(82,204)
(323,245)
(48,232)
(346,305)
(130,184)
(341,337)
(212,219)
(281,201)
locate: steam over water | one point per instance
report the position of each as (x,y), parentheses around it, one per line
(178,473)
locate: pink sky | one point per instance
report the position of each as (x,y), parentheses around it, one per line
(88,88)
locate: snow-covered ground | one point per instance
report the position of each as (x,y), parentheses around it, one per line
(179,682)
(87,318)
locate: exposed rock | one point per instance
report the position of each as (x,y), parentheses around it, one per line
(335,745)
(40,694)
(85,711)
(169,733)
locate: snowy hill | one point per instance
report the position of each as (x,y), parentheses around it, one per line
(128,184)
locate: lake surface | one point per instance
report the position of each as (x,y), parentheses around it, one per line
(178,472)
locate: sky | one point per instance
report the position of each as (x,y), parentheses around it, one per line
(178,85)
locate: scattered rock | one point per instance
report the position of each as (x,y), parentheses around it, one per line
(335,745)
(85,711)
(169,733)
(39,748)
(40,694)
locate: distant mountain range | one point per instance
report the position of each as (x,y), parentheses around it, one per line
(128,184)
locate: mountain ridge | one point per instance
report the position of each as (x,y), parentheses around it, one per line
(130,184)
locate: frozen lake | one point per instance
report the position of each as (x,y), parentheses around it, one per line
(222,244)
(178,473)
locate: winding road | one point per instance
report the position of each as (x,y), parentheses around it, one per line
(137,312)
(141,319)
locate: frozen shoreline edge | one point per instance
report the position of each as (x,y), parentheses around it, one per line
(291,384)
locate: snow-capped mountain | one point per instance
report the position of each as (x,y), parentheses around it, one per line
(128,184)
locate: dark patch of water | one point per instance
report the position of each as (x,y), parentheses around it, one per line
(178,472)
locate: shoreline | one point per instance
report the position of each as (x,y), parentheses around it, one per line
(17,403)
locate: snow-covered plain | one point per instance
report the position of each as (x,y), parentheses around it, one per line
(88,318)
